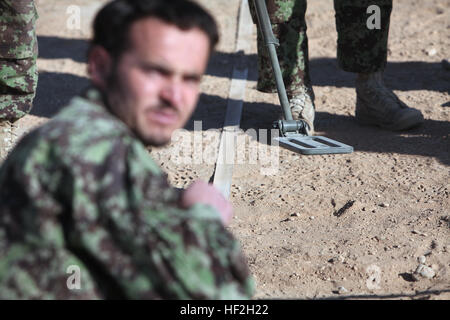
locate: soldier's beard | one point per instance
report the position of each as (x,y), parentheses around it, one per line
(119,103)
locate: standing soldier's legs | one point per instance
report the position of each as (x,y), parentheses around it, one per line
(289,27)
(362,48)
(18,71)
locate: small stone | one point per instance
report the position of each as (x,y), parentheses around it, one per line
(295,214)
(342,290)
(311,218)
(419,233)
(421,259)
(434,245)
(384,205)
(431,52)
(425,271)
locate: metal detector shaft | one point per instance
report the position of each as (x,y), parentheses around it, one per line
(265,28)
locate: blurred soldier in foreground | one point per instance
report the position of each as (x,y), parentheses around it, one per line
(84,211)
(360,49)
(18,71)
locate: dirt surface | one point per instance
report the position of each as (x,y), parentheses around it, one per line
(327,226)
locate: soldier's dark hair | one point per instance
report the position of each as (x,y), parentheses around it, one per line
(112,23)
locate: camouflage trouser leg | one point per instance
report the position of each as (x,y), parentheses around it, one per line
(18,55)
(18,80)
(361,49)
(289,27)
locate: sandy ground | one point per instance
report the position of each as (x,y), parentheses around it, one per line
(288,217)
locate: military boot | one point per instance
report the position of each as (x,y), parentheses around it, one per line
(379,106)
(6,138)
(302,107)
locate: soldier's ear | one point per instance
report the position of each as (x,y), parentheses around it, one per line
(99,65)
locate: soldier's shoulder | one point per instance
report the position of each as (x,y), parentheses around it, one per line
(81,131)
(89,115)
(84,121)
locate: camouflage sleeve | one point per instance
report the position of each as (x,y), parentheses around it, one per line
(150,247)
(119,218)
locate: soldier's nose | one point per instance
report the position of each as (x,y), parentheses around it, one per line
(172,93)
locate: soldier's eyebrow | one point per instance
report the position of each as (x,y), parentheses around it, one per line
(193,76)
(167,70)
(157,67)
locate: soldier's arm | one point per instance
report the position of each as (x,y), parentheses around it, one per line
(131,225)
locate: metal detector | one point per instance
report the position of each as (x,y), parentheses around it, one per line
(292,132)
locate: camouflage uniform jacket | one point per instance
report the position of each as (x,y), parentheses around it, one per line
(86,213)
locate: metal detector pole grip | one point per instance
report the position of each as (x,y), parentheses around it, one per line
(269,39)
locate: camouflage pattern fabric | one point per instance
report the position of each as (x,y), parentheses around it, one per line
(18,54)
(83,191)
(360,49)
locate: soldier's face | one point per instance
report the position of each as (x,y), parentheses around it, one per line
(154,87)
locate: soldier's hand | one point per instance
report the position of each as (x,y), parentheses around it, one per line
(202,192)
